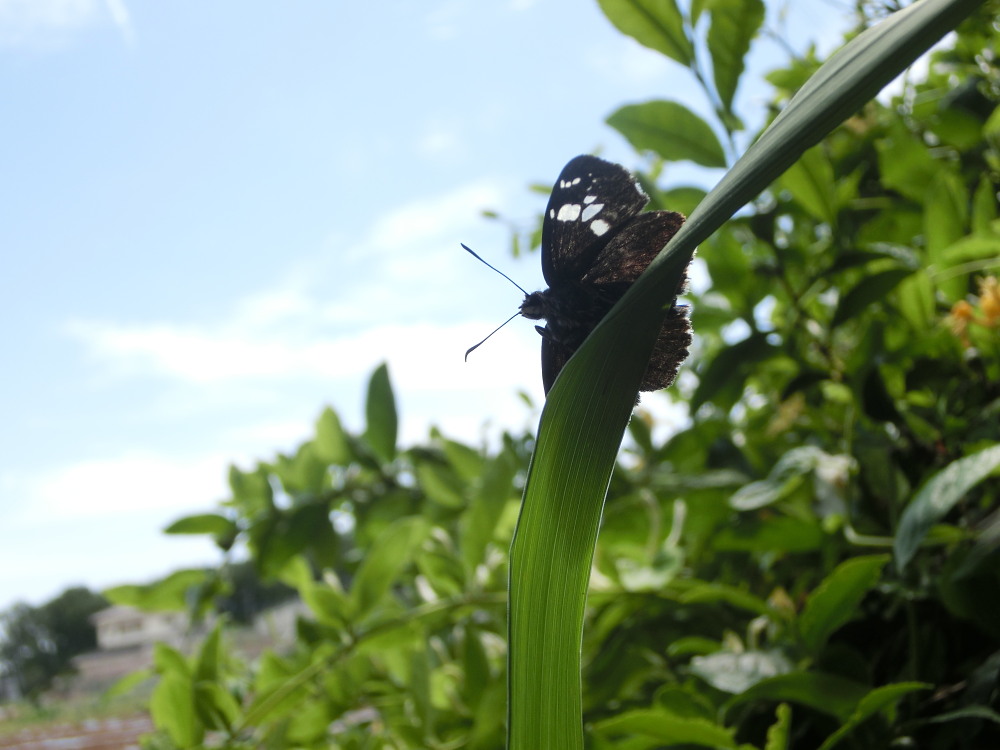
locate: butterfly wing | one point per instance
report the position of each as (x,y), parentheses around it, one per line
(554,358)
(670,350)
(590,202)
(633,248)
(621,262)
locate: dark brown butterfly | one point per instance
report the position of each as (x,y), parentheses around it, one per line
(595,243)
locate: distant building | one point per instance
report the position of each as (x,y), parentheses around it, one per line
(121,627)
(126,637)
(125,640)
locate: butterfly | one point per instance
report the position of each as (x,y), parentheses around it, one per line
(595,243)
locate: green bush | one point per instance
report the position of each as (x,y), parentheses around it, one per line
(811,561)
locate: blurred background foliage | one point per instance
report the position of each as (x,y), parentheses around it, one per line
(810,560)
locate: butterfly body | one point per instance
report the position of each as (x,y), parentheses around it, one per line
(595,244)
(571,310)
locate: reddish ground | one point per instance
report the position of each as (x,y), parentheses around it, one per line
(91,734)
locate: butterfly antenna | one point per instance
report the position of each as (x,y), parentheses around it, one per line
(469,251)
(473,348)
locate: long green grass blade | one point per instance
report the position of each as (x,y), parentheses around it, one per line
(589,406)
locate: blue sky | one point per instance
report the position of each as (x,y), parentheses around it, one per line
(219,217)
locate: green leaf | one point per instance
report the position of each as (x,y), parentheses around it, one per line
(938,496)
(380,411)
(477,525)
(945,218)
(386,558)
(666,728)
(984,205)
(734,25)
(205,523)
(782,533)
(169,594)
(916,300)
(476,675)
(656,24)
(467,462)
(172,709)
(281,688)
(252,491)
(168,660)
(866,292)
(811,184)
(877,700)
(279,537)
(727,372)
(302,473)
(904,162)
(792,465)
(699,592)
(329,604)
(827,693)
(970,249)
(216,708)
(210,656)
(670,130)
(836,599)
(441,485)
(970,712)
(778,733)
(309,723)
(333,444)
(128,683)
(945,212)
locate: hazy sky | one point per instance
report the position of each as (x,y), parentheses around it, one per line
(219,217)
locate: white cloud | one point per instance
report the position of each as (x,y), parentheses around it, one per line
(331,317)
(120,15)
(436,218)
(137,482)
(406,295)
(429,352)
(439,138)
(47,23)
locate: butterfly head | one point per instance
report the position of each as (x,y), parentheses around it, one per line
(535,305)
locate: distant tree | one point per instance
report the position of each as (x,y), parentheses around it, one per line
(68,618)
(249,595)
(38,643)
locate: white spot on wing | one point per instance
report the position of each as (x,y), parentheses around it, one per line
(599,227)
(569,212)
(590,199)
(591,211)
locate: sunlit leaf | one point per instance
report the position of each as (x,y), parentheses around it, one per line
(938,496)
(734,25)
(380,412)
(834,602)
(657,24)
(671,131)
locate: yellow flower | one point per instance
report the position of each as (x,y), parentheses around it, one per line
(989,299)
(958,320)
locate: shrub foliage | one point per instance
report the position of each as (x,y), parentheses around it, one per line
(810,561)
